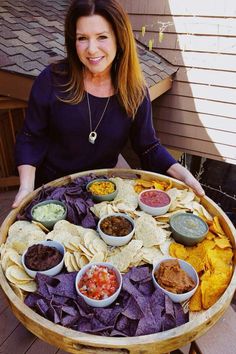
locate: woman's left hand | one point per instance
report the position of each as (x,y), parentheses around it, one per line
(179,172)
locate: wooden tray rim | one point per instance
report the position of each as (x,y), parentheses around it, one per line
(190,330)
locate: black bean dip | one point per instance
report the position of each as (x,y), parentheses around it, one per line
(40,257)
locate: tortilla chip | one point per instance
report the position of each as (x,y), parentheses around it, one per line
(195,303)
(196,262)
(213,288)
(70,262)
(30,287)
(98,257)
(148,232)
(18,292)
(158,185)
(17,275)
(178,251)
(222,242)
(151,254)
(124,258)
(11,257)
(215,227)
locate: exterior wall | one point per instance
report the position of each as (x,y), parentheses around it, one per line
(198,115)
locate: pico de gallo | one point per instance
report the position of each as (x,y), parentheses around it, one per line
(98,282)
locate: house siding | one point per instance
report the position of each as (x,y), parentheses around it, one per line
(198,115)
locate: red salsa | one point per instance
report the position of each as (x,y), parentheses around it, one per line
(155,198)
(98,282)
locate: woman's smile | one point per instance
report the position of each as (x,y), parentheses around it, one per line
(95,44)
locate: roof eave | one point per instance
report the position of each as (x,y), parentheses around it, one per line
(161,87)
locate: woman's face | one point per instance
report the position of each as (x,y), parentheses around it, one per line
(95,43)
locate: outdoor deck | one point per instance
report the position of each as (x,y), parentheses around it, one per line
(15,338)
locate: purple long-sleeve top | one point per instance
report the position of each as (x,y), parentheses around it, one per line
(54,137)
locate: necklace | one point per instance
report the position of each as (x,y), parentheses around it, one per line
(93,135)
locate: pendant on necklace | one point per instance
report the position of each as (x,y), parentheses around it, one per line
(92,137)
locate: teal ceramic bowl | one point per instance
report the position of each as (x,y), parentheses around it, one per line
(101,197)
(188,229)
(49,212)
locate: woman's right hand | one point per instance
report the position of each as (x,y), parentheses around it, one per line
(22,193)
(27,176)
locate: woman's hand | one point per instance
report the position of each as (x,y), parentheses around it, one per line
(22,193)
(179,172)
(27,177)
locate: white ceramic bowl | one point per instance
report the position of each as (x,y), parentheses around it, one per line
(154,210)
(104,302)
(188,268)
(116,240)
(52,271)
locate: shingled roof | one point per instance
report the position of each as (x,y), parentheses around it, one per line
(31,37)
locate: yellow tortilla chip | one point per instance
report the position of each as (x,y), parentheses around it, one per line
(215,227)
(222,242)
(195,303)
(158,185)
(213,288)
(196,262)
(144,183)
(177,250)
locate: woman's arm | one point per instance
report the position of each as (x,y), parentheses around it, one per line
(179,172)
(27,178)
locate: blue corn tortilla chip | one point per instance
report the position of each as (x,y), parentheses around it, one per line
(53,315)
(126,326)
(77,199)
(43,306)
(132,310)
(65,286)
(69,321)
(140,309)
(139,274)
(180,316)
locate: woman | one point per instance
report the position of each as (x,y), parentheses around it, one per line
(83,109)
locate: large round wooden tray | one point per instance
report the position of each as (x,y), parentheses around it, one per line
(77,342)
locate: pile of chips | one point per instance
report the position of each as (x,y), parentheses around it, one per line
(211,258)
(140,309)
(21,235)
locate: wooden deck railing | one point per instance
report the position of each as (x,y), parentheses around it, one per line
(12,112)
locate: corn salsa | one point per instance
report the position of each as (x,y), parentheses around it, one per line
(102,188)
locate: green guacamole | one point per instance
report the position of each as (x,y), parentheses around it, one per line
(48,212)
